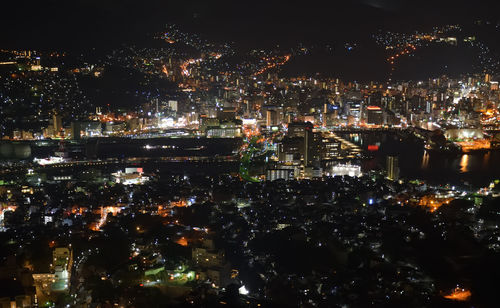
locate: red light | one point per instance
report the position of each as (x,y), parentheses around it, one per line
(372,147)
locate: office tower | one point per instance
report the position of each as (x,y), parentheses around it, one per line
(173,105)
(75,130)
(57,119)
(392,168)
(375,115)
(271,118)
(298,129)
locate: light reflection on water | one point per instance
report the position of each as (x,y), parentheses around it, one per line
(416,163)
(486,160)
(464,163)
(425,160)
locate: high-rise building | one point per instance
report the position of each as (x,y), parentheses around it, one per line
(374,115)
(271,118)
(353,108)
(210,263)
(302,140)
(308,147)
(392,166)
(226,113)
(75,130)
(57,119)
(173,105)
(330,149)
(312,145)
(298,129)
(325,113)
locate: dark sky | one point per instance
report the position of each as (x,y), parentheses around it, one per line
(68,24)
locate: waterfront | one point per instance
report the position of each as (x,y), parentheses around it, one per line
(122,147)
(475,168)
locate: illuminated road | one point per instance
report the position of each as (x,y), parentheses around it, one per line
(104,216)
(272,64)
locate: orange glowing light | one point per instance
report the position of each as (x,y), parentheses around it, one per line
(180,203)
(433,202)
(182,241)
(104,211)
(459,294)
(464,163)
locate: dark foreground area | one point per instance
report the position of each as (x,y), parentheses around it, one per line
(204,241)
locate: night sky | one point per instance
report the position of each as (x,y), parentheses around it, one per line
(93,25)
(80,24)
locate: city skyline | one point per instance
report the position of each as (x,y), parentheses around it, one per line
(249,154)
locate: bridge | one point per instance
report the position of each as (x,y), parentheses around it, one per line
(351,129)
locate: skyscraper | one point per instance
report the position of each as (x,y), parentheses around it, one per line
(271,118)
(375,115)
(392,168)
(57,124)
(75,130)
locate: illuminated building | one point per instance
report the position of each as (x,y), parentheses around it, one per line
(207,255)
(75,130)
(115,127)
(465,133)
(301,140)
(57,123)
(226,113)
(392,166)
(312,172)
(206,122)
(271,118)
(298,129)
(279,174)
(274,114)
(353,109)
(131,176)
(226,129)
(308,148)
(330,149)
(494,85)
(61,265)
(346,170)
(173,105)
(374,115)
(211,264)
(91,129)
(291,149)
